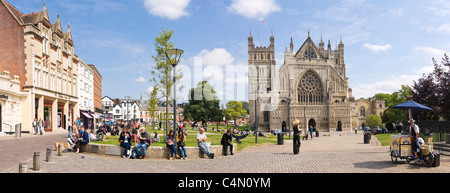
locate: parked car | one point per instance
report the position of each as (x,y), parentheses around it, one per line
(377,130)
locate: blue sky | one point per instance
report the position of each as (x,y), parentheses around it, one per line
(387,43)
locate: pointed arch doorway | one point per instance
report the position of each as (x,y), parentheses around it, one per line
(339,126)
(312,123)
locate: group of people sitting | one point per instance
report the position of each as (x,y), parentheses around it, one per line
(78,136)
(142,141)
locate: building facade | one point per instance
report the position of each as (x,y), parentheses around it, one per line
(97,90)
(311,86)
(86,94)
(42,56)
(126,111)
(11,103)
(107,108)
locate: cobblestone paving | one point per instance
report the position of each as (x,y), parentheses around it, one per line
(334,154)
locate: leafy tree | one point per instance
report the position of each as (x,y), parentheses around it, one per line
(394,116)
(162,77)
(204,105)
(374,120)
(153,102)
(234,110)
(245,105)
(433,90)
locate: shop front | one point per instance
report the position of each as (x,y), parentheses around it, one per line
(11,103)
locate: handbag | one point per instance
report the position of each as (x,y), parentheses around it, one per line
(180,143)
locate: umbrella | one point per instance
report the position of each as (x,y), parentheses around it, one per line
(411,105)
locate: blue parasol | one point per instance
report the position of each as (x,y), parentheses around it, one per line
(411,105)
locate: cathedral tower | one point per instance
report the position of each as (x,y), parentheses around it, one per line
(261,71)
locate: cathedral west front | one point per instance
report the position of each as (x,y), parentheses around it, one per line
(310,86)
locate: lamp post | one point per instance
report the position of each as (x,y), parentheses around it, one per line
(176,53)
(127,98)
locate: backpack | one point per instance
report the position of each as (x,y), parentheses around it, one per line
(133,154)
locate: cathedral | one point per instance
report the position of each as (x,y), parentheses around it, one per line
(310,86)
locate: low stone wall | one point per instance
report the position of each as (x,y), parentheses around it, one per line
(153,152)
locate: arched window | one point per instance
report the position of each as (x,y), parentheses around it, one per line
(310,90)
(362,111)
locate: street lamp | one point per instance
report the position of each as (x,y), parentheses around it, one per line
(127,98)
(176,54)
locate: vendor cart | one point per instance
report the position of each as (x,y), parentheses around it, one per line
(401,148)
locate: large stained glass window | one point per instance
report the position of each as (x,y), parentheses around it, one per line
(310,90)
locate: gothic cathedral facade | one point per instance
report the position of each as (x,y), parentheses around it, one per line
(310,86)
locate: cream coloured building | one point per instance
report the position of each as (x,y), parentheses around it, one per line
(50,67)
(311,85)
(11,102)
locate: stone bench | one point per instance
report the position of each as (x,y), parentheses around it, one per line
(153,152)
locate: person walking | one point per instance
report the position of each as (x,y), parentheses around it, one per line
(311,131)
(40,125)
(69,128)
(297,132)
(181,142)
(35,126)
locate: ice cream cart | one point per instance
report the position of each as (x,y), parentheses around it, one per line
(401,148)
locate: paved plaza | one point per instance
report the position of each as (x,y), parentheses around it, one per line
(325,154)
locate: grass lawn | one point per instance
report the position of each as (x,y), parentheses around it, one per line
(191,138)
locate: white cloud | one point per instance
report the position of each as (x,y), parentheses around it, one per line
(140,79)
(217,56)
(171,9)
(388,85)
(377,48)
(430,52)
(254,8)
(444,28)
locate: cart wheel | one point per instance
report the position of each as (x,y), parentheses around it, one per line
(394,156)
(428,160)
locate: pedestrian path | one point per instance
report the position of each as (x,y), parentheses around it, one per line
(334,154)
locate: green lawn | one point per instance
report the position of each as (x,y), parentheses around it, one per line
(191,138)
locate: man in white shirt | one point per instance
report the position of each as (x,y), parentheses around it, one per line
(414,130)
(201,138)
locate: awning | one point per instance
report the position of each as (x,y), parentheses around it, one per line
(86,115)
(95,116)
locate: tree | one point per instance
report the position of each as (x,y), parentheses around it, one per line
(162,77)
(374,120)
(433,90)
(204,105)
(234,110)
(394,116)
(245,105)
(153,102)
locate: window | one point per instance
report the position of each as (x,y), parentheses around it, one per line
(310,90)
(362,111)
(309,54)
(266,116)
